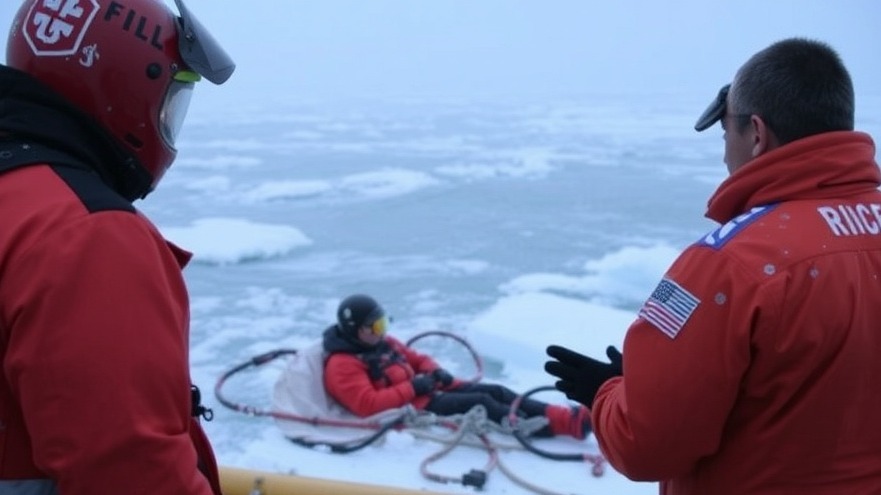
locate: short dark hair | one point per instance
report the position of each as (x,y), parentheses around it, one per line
(799,87)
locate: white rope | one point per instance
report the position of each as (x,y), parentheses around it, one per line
(475,423)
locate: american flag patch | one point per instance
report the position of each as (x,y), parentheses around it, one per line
(669,307)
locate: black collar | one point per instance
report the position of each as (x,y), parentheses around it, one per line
(31,111)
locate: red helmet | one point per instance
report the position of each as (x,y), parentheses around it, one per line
(130,64)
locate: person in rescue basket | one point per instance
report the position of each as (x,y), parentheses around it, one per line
(368,372)
(753,367)
(95,391)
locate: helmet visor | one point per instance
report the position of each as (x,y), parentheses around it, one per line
(174,110)
(199,50)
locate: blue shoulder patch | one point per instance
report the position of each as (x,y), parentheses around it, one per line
(719,237)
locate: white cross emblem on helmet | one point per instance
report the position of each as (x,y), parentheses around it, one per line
(57,27)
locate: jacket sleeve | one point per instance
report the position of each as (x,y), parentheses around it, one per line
(98,358)
(670,407)
(347,381)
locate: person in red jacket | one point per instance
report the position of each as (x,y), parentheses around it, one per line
(753,367)
(368,371)
(95,391)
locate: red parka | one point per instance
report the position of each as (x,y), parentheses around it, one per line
(755,367)
(367,381)
(94,321)
(95,385)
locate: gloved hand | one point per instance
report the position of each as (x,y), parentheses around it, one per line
(442,376)
(422,384)
(581,376)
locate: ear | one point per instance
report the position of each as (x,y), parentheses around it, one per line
(764,139)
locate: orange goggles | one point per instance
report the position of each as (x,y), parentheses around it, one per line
(379,326)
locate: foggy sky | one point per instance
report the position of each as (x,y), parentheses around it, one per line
(339,48)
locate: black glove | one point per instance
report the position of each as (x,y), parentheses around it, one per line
(422,384)
(581,376)
(442,376)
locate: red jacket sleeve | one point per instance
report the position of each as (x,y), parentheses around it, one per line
(98,358)
(670,408)
(347,381)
